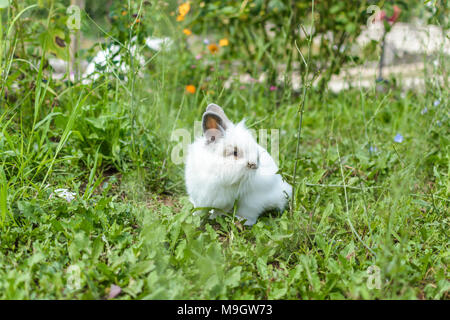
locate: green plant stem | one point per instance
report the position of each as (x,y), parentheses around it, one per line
(301,110)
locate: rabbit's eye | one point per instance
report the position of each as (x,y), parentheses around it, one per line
(231,151)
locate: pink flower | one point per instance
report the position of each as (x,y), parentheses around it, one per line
(114,291)
(198,57)
(395,16)
(391,20)
(273,88)
(380,16)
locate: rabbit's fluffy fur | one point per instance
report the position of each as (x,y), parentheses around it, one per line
(226,164)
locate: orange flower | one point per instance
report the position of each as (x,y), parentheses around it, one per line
(124,13)
(224,42)
(184,8)
(213,48)
(180,18)
(187,32)
(190,88)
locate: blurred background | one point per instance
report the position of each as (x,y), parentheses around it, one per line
(154,57)
(348,39)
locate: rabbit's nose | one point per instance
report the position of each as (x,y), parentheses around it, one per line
(252,165)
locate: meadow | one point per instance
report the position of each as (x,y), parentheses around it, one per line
(93,207)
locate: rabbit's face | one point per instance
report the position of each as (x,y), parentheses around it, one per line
(235,150)
(239,148)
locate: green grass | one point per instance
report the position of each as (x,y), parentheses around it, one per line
(362,199)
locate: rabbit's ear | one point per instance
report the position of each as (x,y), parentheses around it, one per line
(212,107)
(213,127)
(215,122)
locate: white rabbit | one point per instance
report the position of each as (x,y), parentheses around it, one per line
(226,165)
